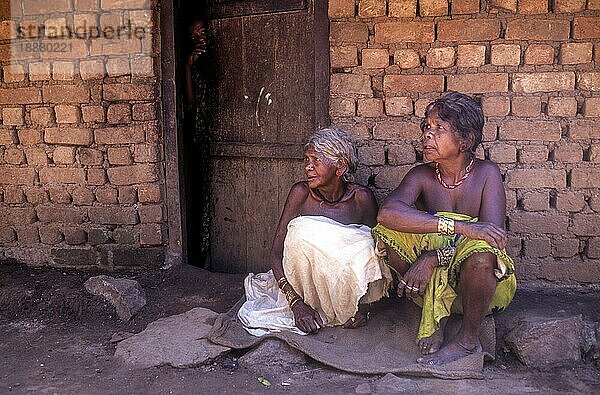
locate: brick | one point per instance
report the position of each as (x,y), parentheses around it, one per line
(66,94)
(149,193)
(59,195)
(464,7)
(591,107)
(90,156)
(570,201)
(36,156)
(119,113)
(439,58)
(538,223)
(543,82)
(39,71)
(50,234)
(503,153)
(575,53)
(506,55)
(127,195)
(62,175)
(150,234)
(585,178)
(533,153)
(536,201)
(29,136)
(119,156)
(13,73)
(536,178)
(135,174)
(470,55)
(372,107)
(373,58)
(150,213)
(568,153)
(398,106)
(113,215)
(146,111)
(342,107)
(7,235)
(478,83)
(351,84)
(586,224)
(121,135)
(562,106)
(371,8)
(97,236)
(27,235)
(402,8)
(390,177)
(588,81)
(346,56)
(20,96)
(82,196)
(371,155)
(593,247)
(523,106)
(93,114)
(341,8)
(67,113)
(537,248)
(348,32)
(12,116)
(106,195)
(68,136)
(41,116)
(403,32)
(393,130)
(433,7)
(14,156)
(402,84)
(13,195)
(7,137)
(16,175)
(496,106)
(92,69)
(64,155)
(593,5)
(17,215)
(503,5)
(538,54)
(59,214)
(586,27)
(144,153)
(538,29)
(63,71)
(118,92)
(407,58)
(75,236)
(123,236)
(142,66)
(36,195)
(463,30)
(96,177)
(118,67)
(594,154)
(401,154)
(124,4)
(420,106)
(532,7)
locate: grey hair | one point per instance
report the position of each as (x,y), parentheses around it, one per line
(335,144)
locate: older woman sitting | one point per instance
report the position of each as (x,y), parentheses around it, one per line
(323,255)
(443,229)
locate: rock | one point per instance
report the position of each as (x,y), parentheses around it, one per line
(127,296)
(272,353)
(178,340)
(392,384)
(120,336)
(541,341)
(588,338)
(364,388)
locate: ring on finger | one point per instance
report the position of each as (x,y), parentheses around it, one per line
(403,283)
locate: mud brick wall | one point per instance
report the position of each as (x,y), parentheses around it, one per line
(535,66)
(80,139)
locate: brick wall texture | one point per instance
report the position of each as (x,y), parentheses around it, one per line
(81,179)
(534,65)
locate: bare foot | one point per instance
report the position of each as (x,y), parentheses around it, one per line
(360,319)
(433,343)
(449,353)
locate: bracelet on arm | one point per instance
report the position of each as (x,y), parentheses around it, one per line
(444,256)
(282,282)
(445,226)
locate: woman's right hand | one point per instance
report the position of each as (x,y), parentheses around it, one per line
(493,234)
(198,50)
(307,319)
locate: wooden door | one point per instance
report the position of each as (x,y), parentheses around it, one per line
(272,83)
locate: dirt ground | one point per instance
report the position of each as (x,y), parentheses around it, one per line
(56,339)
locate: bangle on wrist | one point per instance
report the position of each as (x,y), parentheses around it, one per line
(282,282)
(444,256)
(445,226)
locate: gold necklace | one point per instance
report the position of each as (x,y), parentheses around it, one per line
(462,179)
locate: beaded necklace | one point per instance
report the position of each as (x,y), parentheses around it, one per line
(462,179)
(324,199)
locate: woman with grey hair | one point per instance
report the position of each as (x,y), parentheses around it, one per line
(323,258)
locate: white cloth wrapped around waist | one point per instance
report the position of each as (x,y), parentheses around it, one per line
(330,265)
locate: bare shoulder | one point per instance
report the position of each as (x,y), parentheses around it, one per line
(360,191)
(299,192)
(419,173)
(488,169)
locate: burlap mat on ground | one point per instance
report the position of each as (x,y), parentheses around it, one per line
(385,345)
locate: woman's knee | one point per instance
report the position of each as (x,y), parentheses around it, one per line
(480,261)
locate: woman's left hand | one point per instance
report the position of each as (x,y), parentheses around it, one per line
(415,280)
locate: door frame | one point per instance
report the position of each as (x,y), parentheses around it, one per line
(175,202)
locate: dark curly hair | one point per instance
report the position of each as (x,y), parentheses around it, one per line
(461,111)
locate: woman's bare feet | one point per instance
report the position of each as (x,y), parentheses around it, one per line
(360,318)
(451,352)
(433,343)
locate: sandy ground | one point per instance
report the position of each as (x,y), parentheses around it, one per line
(56,339)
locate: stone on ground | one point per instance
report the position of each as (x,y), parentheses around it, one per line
(273,355)
(178,340)
(541,341)
(127,296)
